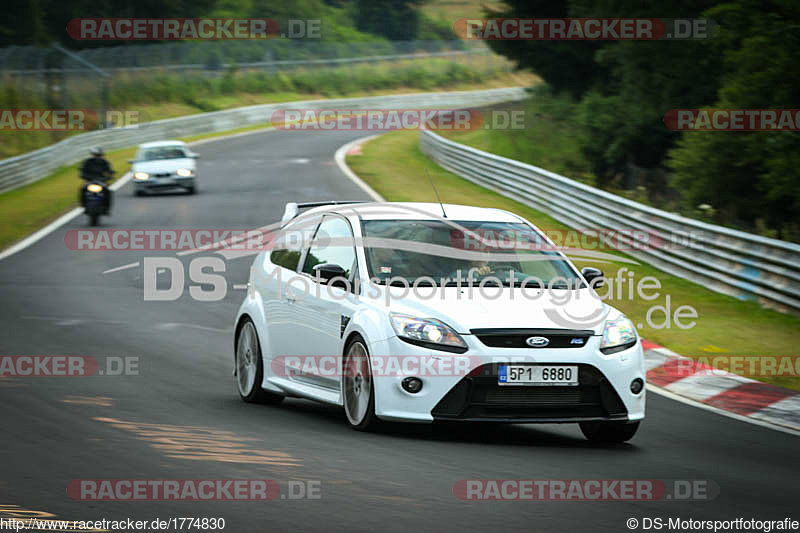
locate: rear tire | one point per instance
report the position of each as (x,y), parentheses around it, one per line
(358,387)
(94,219)
(250,367)
(609,432)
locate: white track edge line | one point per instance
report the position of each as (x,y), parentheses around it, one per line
(742,418)
(339,157)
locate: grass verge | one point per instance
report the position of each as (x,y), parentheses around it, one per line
(395,167)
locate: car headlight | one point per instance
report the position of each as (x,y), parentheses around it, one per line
(93,187)
(427,332)
(619,334)
(141,176)
(184,172)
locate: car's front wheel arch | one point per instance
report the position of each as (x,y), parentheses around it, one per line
(355,375)
(237,331)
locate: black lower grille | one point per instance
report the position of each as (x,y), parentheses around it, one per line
(479,397)
(533,395)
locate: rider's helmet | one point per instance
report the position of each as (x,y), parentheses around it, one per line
(97,151)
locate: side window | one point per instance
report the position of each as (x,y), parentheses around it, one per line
(333,244)
(283,256)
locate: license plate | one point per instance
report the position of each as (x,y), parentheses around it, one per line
(537,375)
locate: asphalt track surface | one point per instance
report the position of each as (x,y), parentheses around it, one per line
(181,417)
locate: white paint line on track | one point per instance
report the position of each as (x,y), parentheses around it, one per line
(42,233)
(339,157)
(175,325)
(57,223)
(735,416)
(123,267)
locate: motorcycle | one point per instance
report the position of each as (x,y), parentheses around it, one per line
(95,197)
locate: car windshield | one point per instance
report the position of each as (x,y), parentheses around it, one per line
(162,152)
(414,251)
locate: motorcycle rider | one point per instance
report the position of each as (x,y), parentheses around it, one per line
(97,168)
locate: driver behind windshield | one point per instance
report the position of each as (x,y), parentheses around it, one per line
(415,249)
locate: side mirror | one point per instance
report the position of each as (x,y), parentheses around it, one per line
(194,156)
(594,276)
(325,272)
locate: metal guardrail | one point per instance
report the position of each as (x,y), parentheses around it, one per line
(263,64)
(33,166)
(733,262)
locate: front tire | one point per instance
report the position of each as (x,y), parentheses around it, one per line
(609,432)
(358,390)
(94,219)
(250,367)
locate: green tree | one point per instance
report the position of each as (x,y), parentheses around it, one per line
(397,20)
(565,65)
(751,178)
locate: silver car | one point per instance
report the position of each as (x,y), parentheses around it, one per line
(164,165)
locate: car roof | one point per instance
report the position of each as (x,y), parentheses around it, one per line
(419,211)
(159,144)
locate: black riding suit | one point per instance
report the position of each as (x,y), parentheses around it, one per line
(97,169)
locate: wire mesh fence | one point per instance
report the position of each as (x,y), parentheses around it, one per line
(218,55)
(207,76)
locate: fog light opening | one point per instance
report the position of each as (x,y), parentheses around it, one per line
(412,385)
(637,385)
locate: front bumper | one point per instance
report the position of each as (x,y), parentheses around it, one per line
(162,183)
(471,392)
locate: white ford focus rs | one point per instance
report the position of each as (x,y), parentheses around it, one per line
(425,312)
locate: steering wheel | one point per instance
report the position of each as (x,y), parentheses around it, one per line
(503,268)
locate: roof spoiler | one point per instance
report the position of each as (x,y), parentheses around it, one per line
(293,209)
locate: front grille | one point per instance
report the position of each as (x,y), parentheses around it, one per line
(516,338)
(479,397)
(162,175)
(533,395)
